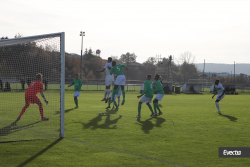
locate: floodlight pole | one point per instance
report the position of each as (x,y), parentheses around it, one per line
(81,34)
(127,73)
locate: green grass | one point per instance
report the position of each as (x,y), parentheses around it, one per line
(188,133)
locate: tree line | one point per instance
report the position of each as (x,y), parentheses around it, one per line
(137,71)
(23,60)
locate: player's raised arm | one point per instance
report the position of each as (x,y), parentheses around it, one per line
(126,67)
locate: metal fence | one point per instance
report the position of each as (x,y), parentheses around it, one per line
(99,85)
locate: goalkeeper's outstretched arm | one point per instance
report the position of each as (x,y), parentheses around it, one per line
(46,101)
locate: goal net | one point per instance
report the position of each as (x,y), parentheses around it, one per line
(20,60)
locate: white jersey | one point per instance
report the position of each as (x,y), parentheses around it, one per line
(106,68)
(219,88)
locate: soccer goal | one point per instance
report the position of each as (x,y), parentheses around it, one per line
(21,59)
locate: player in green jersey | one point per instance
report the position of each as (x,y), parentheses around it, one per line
(117,95)
(120,80)
(77,88)
(160,94)
(148,95)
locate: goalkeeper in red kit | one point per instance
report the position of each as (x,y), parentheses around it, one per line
(31,97)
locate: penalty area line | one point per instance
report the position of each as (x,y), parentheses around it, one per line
(126,152)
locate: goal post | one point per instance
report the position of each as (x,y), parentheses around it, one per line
(22,115)
(62,107)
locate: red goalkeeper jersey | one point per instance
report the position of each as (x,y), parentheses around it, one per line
(34,88)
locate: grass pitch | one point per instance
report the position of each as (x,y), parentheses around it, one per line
(188,133)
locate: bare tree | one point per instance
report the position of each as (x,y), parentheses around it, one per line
(128,58)
(187,57)
(18,35)
(151,60)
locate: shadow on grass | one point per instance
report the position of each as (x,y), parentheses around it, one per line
(112,111)
(231,118)
(40,153)
(66,111)
(14,128)
(160,105)
(159,121)
(93,124)
(147,125)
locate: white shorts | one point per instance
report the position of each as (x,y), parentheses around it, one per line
(77,94)
(109,79)
(120,80)
(220,98)
(115,96)
(159,97)
(146,100)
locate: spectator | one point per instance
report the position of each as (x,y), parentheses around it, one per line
(7,87)
(1,84)
(22,83)
(28,82)
(45,81)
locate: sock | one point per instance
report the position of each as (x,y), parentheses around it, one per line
(105,93)
(109,101)
(76,102)
(118,101)
(41,110)
(158,107)
(217,106)
(123,94)
(150,107)
(108,92)
(113,94)
(115,104)
(139,109)
(23,110)
(155,106)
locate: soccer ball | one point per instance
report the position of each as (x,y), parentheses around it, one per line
(98,51)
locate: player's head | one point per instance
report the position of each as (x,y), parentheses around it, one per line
(148,76)
(77,75)
(157,77)
(217,81)
(39,77)
(110,59)
(113,63)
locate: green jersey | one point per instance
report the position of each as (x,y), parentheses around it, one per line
(77,84)
(118,69)
(148,89)
(159,87)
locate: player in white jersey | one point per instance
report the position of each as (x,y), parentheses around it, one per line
(221,93)
(108,80)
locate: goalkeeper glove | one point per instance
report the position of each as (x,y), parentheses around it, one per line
(46,101)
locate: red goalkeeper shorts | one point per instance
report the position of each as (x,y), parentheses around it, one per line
(32,99)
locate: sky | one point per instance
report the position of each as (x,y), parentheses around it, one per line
(215,30)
